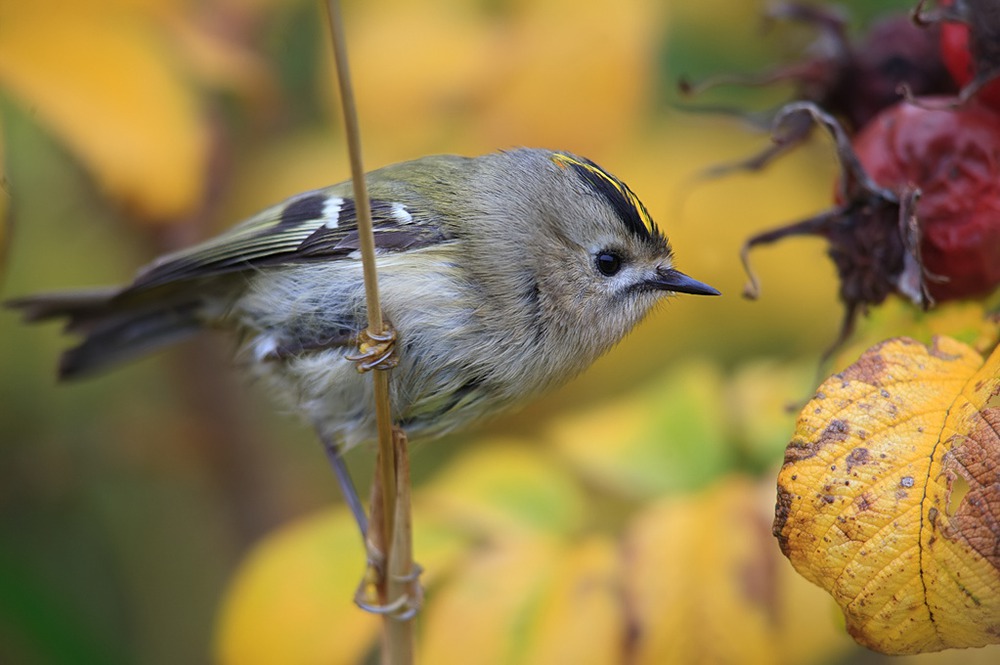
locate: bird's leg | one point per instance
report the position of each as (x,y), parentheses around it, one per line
(376,350)
(336,458)
(368,595)
(382,591)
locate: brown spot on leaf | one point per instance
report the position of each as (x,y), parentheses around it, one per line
(863,502)
(857,457)
(870,368)
(782,509)
(936,351)
(799,449)
(835,431)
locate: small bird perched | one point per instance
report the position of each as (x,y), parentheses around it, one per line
(502,275)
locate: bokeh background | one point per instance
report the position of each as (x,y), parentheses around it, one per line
(130,503)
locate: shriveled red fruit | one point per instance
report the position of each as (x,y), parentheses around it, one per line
(955,52)
(970,46)
(852,79)
(894,53)
(918,205)
(953,157)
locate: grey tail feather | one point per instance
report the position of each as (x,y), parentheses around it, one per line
(114,328)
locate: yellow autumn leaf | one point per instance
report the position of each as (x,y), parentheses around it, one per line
(99,76)
(291,602)
(567,68)
(889,497)
(669,436)
(300,579)
(529,601)
(445,50)
(703,583)
(580,617)
(968,321)
(530,75)
(504,488)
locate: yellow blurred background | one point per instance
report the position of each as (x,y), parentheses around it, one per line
(130,127)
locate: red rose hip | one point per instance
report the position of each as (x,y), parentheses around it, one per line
(917,206)
(953,157)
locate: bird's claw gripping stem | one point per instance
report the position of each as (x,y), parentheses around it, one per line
(376,350)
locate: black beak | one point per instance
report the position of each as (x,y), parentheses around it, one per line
(678,282)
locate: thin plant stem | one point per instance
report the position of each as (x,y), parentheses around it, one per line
(397,634)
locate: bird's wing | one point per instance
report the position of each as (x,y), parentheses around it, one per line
(313,225)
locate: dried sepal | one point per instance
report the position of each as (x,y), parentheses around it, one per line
(873,233)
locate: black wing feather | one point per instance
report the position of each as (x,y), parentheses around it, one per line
(314,225)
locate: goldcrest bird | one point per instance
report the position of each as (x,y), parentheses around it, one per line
(502,275)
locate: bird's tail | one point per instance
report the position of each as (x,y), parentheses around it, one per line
(116,325)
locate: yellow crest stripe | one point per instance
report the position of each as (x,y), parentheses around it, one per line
(633,202)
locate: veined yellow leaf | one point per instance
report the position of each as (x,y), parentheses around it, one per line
(889,497)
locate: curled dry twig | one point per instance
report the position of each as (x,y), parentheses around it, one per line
(873,232)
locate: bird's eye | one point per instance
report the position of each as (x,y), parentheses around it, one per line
(608,263)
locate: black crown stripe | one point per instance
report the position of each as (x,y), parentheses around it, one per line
(623,200)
